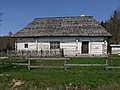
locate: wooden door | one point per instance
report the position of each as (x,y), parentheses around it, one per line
(85,47)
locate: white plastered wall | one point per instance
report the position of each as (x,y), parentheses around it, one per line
(70,45)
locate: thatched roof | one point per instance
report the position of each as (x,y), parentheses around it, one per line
(63,26)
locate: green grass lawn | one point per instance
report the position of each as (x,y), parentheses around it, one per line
(75,78)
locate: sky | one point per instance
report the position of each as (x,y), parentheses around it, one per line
(18,13)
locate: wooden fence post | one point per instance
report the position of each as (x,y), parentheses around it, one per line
(106,62)
(65,64)
(41,52)
(22,53)
(8,53)
(29,64)
(62,52)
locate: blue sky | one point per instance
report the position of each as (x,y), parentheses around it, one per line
(18,13)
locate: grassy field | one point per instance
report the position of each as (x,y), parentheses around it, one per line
(76,78)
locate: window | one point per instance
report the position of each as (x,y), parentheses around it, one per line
(55,45)
(26,45)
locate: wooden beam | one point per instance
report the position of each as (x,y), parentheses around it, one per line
(51,67)
(85,64)
(24,64)
(4,57)
(29,63)
(110,67)
(48,58)
(114,58)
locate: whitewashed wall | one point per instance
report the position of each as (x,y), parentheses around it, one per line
(115,48)
(71,45)
(96,47)
(31,46)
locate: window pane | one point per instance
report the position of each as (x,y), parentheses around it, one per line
(55,45)
(26,45)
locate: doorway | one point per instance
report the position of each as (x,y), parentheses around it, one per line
(85,47)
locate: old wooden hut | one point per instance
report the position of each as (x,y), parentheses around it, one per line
(76,35)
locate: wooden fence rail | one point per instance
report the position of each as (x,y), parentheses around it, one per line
(110,61)
(66,65)
(85,65)
(48,59)
(36,54)
(112,67)
(9,63)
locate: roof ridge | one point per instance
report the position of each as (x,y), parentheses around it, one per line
(62,17)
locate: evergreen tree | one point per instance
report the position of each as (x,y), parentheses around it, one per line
(10,34)
(102,24)
(113,26)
